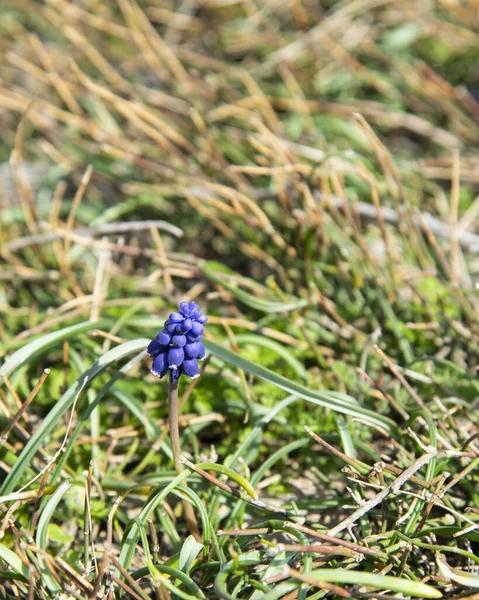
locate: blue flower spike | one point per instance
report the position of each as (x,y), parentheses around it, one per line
(178,348)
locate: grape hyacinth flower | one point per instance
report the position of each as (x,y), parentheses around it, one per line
(178,348)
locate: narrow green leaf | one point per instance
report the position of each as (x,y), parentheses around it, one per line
(240,480)
(189,551)
(266,306)
(42,530)
(382,582)
(44,343)
(191,586)
(341,403)
(132,532)
(459,576)
(12,576)
(247,559)
(152,430)
(208,532)
(280,349)
(64,404)
(13,561)
(83,418)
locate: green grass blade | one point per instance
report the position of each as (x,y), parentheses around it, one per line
(247,559)
(191,586)
(44,343)
(59,409)
(346,438)
(341,403)
(258,340)
(257,476)
(266,306)
(467,580)
(208,532)
(42,529)
(132,533)
(13,561)
(240,480)
(382,582)
(258,429)
(152,430)
(83,418)
(188,554)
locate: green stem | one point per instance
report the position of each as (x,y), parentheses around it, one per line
(173,419)
(174,425)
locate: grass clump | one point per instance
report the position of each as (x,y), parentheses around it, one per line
(308,175)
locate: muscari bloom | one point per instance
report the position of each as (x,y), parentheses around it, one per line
(178,347)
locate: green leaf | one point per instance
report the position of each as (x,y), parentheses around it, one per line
(56,413)
(42,344)
(211,269)
(42,528)
(280,349)
(13,561)
(402,37)
(132,532)
(381,582)
(189,551)
(246,559)
(459,576)
(240,480)
(341,403)
(190,585)
(57,534)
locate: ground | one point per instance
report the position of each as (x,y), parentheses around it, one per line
(308,173)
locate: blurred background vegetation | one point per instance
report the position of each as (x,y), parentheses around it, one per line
(308,172)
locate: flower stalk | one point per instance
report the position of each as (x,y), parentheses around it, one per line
(176,350)
(173,421)
(174,426)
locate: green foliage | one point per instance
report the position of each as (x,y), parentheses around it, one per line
(283,152)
